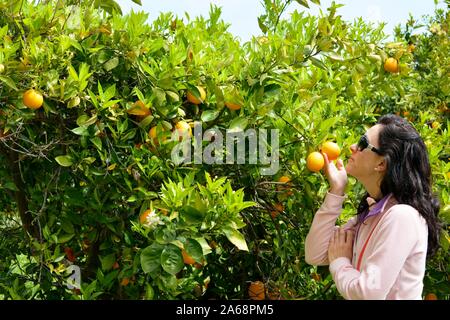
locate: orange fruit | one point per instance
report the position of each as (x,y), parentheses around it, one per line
(435,125)
(316,277)
(284,179)
(431,296)
(33,99)
(198,265)
(286,185)
(278,209)
(153,133)
(139,109)
(116,265)
(391,65)
(187,259)
(193,99)
(184,130)
(232,106)
(411,47)
(315,161)
(124,282)
(69,254)
(145,215)
(256,290)
(331,149)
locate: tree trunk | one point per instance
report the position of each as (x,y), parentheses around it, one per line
(20,194)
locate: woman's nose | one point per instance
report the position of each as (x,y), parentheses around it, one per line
(353,148)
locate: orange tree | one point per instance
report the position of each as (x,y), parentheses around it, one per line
(87,178)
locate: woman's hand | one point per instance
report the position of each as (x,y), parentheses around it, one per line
(336,175)
(341,244)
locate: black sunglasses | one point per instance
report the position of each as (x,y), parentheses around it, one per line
(363,143)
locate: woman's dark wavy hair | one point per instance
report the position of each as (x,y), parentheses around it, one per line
(408,175)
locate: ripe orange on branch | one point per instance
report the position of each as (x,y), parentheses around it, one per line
(331,149)
(153,133)
(256,290)
(315,161)
(431,296)
(286,185)
(278,209)
(232,105)
(33,99)
(197,100)
(187,259)
(391,65)
(183,129)
(144,216)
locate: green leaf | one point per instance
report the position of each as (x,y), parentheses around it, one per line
(318,63)
(108,261)
(81,131)
(109,93)
(9,82)
(209,115)
(111,64)
(137,2)
(76,45)
(261,24)
(84,120)
(173,96)
(67,226)
(97,142)
(160,96)
(151,258)
(11,186)
(238,124)
(73,74)
(65,238)
(205,246)
(74,102)
(303,3)
(194,249)
(334,56)
(93,98)
(235,238)
(172,259)
(191,215)
(65,161)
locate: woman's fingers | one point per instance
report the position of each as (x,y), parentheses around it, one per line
(350,235)
(339,164)
(341,235)
(325,156)
(335,235)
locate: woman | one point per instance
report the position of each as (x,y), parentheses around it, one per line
(380,253)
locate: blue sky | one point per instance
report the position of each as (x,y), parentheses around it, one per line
(242,14)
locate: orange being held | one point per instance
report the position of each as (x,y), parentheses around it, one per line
(331,149)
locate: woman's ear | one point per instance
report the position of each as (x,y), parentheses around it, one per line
(381,166)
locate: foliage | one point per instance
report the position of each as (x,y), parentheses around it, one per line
(78,173)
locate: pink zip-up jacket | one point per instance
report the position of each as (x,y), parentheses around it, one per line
(393,263)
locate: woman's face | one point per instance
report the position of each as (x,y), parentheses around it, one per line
(365,164)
